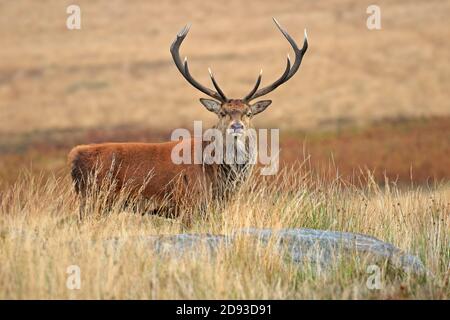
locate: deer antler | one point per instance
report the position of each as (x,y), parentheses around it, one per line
(288,73)
(183,68)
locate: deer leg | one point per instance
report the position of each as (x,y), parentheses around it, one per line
(82,205)
(167,211)
(82,208)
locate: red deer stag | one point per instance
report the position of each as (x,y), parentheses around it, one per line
(176,184)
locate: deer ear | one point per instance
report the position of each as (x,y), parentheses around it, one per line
(211,105)
(260,106)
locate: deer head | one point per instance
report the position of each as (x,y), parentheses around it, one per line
(235,114)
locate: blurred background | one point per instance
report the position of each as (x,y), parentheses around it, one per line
(375,100)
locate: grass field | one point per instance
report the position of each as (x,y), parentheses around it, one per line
(41,237)
(367,118)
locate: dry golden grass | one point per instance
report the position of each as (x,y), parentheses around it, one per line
(41,237)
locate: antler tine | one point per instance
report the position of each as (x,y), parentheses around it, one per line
(183,67)
(289,72)
(252,92)
(219,91)
(276,84)
(298,52)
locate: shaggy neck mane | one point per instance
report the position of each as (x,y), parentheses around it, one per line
(229,175)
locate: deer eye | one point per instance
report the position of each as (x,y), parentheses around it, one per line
(222,113)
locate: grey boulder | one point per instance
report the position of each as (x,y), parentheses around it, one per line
(317,247)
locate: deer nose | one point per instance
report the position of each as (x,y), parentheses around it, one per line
(237,126)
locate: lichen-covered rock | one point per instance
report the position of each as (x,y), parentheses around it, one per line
(321,248)
(325,247)
(315,247)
